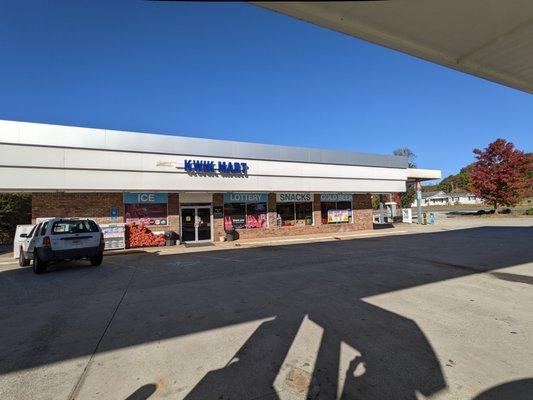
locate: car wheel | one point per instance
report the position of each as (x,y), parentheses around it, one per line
(95,261)
(23,261)
(39,266)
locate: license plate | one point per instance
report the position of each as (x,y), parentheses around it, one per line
(76,242)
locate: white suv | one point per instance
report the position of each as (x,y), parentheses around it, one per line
(61,239)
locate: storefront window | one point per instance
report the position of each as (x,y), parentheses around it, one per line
(234,216)
(294,209)
(304,213)
(256,215)
(285,212)
(146,208)
(336,212)
(336,208)
(245,210)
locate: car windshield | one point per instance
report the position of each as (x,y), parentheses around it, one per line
(74,226)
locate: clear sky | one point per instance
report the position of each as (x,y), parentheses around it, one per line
(235,71)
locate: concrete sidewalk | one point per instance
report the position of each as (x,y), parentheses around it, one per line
(386,230)
(7,258)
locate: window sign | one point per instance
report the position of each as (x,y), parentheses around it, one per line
(335,197)
(218,212)
(113,213)
(245,210)
(294,209)
(144,197)
(336,212)
(293,197)
(245,197)
(338,216)
(146,208)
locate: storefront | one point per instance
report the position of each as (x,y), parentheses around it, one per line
(198,188)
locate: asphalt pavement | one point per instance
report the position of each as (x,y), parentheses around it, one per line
(440,312)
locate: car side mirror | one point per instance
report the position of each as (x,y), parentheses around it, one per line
(23,235)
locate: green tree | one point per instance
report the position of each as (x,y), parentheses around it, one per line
(15,209)
(460,181)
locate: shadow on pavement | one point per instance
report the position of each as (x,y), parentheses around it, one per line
(143,393)
(515,390)
(59,316)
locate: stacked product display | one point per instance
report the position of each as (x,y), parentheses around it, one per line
(138,235)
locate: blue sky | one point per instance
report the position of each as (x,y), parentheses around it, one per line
(235,71)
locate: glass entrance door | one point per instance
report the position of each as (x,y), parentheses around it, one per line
(195,224)
(188,220)
(203,220)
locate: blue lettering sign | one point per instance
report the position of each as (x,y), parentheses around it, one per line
(224,167)
(113,213)
(335,197)
(290,197)
(245,197)
(143,197)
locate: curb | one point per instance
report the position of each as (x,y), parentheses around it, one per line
(237,244)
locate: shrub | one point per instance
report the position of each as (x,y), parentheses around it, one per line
(529,211)
(15,209)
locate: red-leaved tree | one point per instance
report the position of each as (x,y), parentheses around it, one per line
(500,174)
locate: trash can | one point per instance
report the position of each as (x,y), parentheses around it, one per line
(231,235)
(170,238)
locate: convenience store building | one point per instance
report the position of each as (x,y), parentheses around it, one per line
(199,188)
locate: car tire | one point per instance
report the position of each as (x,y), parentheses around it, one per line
(39,266)
(96,261)
(23,261)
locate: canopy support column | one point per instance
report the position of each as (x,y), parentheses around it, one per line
(418,201)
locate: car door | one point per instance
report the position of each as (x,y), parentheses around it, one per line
(18,240)
(37,239)
(28,245)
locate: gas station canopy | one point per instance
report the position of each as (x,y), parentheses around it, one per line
(492,39)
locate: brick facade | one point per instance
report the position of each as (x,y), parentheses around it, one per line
(362,219)
(97,206)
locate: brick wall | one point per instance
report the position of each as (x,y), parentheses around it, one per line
(362,216)
(218,222)
(96,206)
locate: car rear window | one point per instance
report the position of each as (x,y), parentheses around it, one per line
(73,226)
(43,228)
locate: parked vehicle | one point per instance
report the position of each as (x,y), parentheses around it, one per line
(17,242)
(60,239)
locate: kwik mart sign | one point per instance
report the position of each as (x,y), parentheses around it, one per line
(211,167)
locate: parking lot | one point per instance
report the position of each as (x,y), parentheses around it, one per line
(440,313)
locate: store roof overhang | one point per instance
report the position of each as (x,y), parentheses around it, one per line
(417,174)
(492,39)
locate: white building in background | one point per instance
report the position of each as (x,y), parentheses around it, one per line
(464,198)
(442,198)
